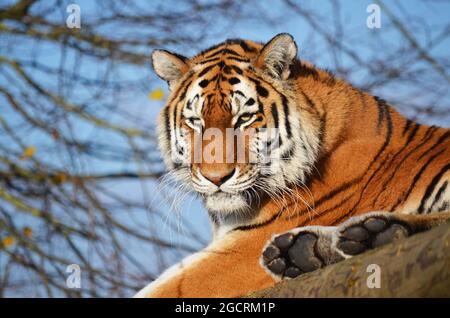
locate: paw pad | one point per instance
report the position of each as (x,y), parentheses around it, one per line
(371,233)
(302,253)
(290,255)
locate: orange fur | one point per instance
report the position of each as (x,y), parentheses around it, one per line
(371,158)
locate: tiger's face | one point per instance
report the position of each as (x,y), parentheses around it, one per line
(230,128)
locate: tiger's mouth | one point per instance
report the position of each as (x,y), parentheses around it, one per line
(223,202)
(237,195)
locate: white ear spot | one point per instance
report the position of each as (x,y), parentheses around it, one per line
(169,66)
(277,55)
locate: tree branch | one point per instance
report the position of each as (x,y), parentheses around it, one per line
(416,267)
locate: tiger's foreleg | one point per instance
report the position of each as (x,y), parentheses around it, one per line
(309,248)
(228,267)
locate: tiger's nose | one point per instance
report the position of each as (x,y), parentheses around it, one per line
(218,176)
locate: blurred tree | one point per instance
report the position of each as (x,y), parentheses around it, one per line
(73,131)
(69,136)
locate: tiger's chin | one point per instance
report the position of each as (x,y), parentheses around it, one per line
(225,203)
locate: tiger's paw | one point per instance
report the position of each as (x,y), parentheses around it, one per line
(369,231)
(299,251)
(306,249)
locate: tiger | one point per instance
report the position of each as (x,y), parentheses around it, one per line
(352,174)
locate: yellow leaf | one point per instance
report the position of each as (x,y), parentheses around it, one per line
(28,152)
(27,231)
(157,94)
(8,241)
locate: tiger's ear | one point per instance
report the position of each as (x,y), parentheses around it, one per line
(169,66)
(277,56)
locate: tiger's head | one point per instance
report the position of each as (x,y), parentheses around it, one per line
(232,127)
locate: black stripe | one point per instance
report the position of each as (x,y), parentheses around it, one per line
(337,191)
(425,139)
(416,179)
(312,105)
(323,122)
(167,127)
(229,51)
(166,116)
(438,196)
(391,178)
(183,94)
(223,51)
(238,92)
(209,60)
(269,145)
(388,136)
(227,69)
(238,59)
(189,104)
(288,154)
(236,69)
(286,116)
(308,100)
(285,105)
(246,47)
(392,160)
(213,54)
(206,70)
(262,91)
(275,115)
(211,48)
(437,144)
(336,207)
(445,207)
(298,69)
(175,123)
(330,195)
(412,134)
(383,147)
(177,92)
(363,100)
(407,125)
(430,131)
(250,102)
(258,225)
(382,109)
(257,120)
(260,107)
(431,186)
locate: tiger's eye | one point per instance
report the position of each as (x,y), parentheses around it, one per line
(245,117)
